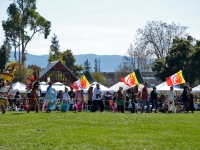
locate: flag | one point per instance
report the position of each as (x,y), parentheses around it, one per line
(130,80)
(9,71)
(139,76)
(175,79)
(83,82)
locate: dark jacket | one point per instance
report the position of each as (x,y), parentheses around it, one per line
(185,97)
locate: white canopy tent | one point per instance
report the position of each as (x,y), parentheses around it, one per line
(18,86)
(196,89)
(102,87)
(164,87)
(57,86)
(115,87)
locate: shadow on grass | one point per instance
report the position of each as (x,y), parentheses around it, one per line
(18,113)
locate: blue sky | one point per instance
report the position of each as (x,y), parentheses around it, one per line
(105,27)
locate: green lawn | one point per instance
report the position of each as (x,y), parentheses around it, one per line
(86,130)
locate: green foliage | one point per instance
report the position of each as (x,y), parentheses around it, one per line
(21,74)
(23,23)
(87,66)
(54,44)
(98,77)
(5,50)
(69,62)
(55,57)
(181,56)
(97,131)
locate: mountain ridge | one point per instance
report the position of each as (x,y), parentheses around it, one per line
(108,63)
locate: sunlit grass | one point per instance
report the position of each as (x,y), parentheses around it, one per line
(108,130)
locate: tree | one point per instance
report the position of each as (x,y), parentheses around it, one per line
(54,53)
(87,66)
(137,59)
(179,58)
(95,65)
(98,77)
(69,62)
(157,37)
(20,74)
(4,55)
(54,44)
(23,23)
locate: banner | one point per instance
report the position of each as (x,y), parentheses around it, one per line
(130,80)
(83,82)
(9,71)
(175,79)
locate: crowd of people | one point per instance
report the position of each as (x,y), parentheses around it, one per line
(95,99)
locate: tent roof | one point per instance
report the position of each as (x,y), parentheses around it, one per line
(196,89)
(18,86)
(116,86)
(164,87)
(102,87)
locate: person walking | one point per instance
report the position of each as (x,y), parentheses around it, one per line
(120,100)
(145,101)
(185,99)
(154,98)
(97,99)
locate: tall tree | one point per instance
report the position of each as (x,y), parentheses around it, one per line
(55,47)
(54,53)
(137,59)
(157,37)
(5,50)
(23,23)
(69,62)
(178,58)
(87,66)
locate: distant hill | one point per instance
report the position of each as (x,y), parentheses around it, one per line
(108,63)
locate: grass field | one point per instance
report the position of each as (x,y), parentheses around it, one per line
(91,131)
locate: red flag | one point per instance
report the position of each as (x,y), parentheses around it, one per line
(130,79)
(175,79)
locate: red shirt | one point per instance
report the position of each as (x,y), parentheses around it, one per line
(144,93)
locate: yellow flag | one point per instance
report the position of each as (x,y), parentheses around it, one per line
(9,71)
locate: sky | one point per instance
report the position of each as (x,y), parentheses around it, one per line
(105,27)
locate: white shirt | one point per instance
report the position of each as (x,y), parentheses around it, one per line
(171,95)
(95,93)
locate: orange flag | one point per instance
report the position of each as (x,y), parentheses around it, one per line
(130,80)
(175,79)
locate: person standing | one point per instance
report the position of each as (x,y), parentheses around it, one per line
(97,99)
(121,98)
(191,100)
(145,101)
(71,94)
(38,96)
(33,100)
(3,96)
(79,97)
(65,101)
(154,98)
(170,99)
(90,94)
(185,99)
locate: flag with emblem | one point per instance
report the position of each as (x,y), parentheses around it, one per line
(175,79)
(83,82)
(130,80)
